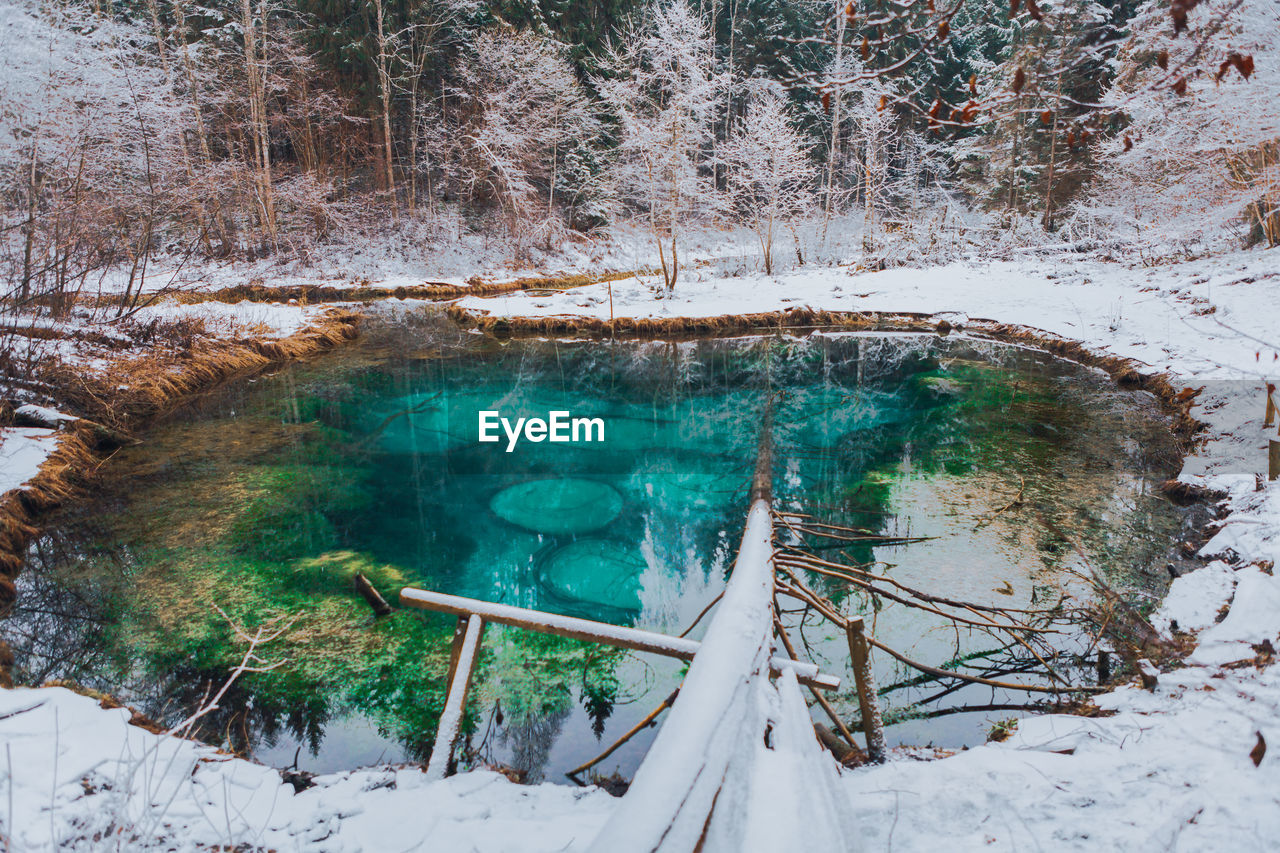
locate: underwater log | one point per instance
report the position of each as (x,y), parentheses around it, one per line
(371,595)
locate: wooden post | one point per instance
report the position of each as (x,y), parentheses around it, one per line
(1273,444)
(872,725)
(462,662)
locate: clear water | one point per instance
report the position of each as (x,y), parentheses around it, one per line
(256,506)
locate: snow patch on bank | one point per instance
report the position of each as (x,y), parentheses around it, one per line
(1196,599)
(22,451)
(259,319)
(1191,319)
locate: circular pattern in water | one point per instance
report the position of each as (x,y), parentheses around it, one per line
(595,573)
(560,506)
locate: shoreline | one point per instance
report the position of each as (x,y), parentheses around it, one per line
(160,384)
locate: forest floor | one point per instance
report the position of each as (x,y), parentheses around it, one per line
(1182,766)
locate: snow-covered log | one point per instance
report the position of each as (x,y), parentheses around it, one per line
(705,783)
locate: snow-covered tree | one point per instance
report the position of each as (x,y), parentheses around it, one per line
(770,173)
(1200,152)
(1028,155)
(525,110)
(90,169)
(665,90)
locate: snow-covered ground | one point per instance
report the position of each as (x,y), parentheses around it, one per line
(258,319)
(442,253)
(76,772)
(1180,767)
(1203,319)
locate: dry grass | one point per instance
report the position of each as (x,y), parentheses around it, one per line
(124,398)
(312,294)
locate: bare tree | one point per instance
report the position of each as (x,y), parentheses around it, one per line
(253,28)
(523,105)
(665,95)
(770,171)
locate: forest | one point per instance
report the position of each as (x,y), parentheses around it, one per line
(888,132)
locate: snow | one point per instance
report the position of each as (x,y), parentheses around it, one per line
(1195,599)
(73,769)
(796,802)
(22,451)
(1251,620)
(44,415)
(264,319)
(1188,318)
(1169,768)
(1170,771)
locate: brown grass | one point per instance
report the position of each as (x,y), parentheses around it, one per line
(124,398)
(305,294)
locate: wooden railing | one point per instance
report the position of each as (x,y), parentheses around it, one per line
(473,614)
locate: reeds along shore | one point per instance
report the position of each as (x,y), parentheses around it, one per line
(122,399)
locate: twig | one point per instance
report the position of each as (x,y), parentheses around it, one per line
(698,619)
(1004,685)
(632,732)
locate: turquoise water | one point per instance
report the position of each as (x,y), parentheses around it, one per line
(256,506)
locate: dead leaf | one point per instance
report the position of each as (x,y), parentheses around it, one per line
(1259,750)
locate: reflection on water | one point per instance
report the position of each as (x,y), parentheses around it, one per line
(258,505)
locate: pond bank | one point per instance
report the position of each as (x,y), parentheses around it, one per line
(1127,372)
(124,398)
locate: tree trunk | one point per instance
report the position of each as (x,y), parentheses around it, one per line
(260,135)
(833,152)
(384,90)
